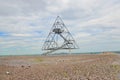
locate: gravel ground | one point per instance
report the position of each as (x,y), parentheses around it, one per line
(70,67)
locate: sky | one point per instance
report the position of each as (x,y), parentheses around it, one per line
(25,24)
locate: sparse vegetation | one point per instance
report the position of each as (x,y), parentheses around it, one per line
(71,67)
(38,59)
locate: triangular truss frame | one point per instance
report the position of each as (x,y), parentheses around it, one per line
(59,30)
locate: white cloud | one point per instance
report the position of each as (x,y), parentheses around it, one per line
(21,35)
(27,23)
(57,6)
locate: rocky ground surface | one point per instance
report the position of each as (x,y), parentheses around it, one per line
(104,66)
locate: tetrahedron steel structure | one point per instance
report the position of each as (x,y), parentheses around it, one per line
(59,38)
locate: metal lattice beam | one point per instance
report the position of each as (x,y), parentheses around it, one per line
(59,38)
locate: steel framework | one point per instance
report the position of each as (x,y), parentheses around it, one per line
(59,38)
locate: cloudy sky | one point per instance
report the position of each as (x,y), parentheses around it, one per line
(24,24)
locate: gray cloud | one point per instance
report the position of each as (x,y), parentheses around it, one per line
(29,21)
(22,7)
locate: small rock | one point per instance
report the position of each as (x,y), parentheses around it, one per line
(22,66)
(8,73)
(29,66)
